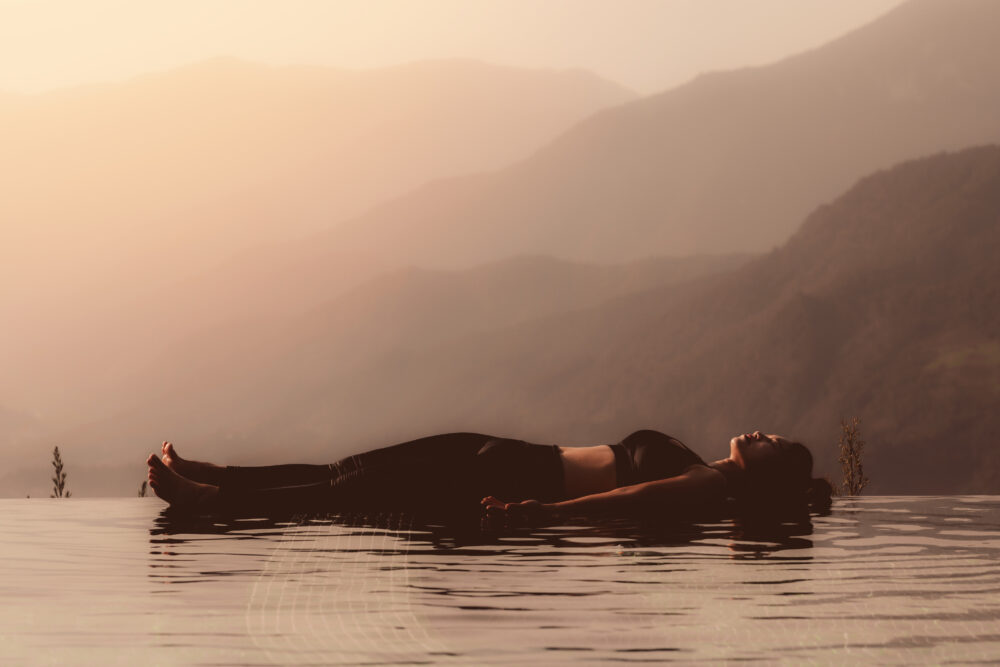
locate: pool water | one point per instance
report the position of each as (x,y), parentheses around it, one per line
(888,580)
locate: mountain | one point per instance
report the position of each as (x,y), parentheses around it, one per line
(732,161)
(16,426)
(213,155)
(112,192)
(20,434)
(883,305)
(222,387)
(850,316)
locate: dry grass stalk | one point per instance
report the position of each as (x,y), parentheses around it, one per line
(59,479)
(852,449)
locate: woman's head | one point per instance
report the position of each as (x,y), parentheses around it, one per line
(778,471)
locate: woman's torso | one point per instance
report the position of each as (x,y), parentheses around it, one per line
(641,457)
(588,470)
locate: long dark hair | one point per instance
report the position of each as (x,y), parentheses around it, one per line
(786,483)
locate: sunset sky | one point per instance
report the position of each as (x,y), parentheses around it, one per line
(648,45)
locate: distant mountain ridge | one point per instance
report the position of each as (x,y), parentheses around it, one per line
(114,191)
(235,147)
(222,380)
(732,161)
(883,305)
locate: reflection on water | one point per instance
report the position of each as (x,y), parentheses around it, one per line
(882,579)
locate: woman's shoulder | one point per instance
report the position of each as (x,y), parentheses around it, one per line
(699,482)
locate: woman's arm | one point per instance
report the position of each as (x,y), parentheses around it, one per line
(698,485)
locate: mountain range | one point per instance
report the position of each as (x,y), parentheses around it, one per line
(114,192)
(882,305)
(703,261)
(731,162)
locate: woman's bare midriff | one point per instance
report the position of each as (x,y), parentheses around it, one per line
(588,470)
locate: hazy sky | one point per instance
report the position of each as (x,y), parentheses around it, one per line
(648,45)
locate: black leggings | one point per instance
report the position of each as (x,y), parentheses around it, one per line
(441,474)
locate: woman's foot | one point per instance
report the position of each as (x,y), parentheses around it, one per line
(206,473)
(179,491)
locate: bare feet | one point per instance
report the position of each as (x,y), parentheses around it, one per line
(179,491)
(206,473)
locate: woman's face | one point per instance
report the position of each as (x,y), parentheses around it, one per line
(750,450)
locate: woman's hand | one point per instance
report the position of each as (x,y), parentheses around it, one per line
(525,513)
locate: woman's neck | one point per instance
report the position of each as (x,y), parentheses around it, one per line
(733,472)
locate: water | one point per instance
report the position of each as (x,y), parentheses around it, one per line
(888,580)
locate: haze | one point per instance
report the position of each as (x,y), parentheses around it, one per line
(292,231)
(643,44)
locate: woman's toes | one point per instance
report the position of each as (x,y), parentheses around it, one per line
(155,463)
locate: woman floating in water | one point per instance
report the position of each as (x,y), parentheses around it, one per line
(646,474)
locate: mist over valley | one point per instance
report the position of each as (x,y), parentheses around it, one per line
(269,264)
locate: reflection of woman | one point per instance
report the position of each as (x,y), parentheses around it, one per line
(647,473)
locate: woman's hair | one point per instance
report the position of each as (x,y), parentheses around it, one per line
(787,482)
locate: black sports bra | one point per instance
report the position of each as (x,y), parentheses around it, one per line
(647,455)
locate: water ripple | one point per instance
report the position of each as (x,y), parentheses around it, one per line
(888,580)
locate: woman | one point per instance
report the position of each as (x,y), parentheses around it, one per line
(647,473)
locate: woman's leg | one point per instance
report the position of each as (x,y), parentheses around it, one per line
(433,473)
(437,450)
(248,477)
(266,477)
(443,474)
